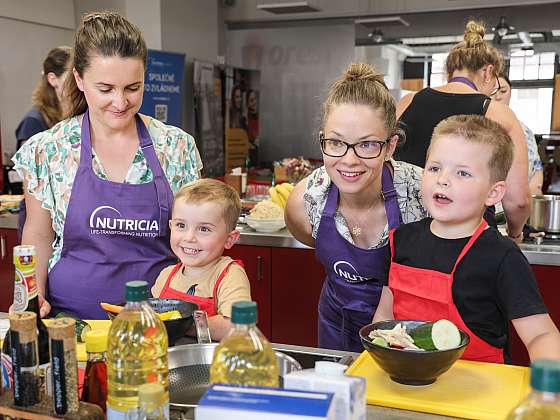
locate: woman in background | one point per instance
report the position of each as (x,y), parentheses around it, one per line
(472,69)
(49,104)
(503,95)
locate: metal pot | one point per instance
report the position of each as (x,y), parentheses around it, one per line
(189,372)
(545,214)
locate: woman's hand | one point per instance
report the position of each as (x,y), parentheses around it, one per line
(44,307)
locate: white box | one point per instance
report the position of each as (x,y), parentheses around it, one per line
(255,403)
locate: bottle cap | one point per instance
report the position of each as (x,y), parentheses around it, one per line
(244,312)
(330,368)
(545,375)
(136,291)
(24,250)
(151,396)
(96,341)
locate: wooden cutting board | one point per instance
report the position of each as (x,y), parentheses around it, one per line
(472,390)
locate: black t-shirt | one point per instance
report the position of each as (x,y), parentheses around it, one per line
(31,124)
(427,109)
(493,283)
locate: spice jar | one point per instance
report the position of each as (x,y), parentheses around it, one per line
(25,358)
(95,381)
(64,365)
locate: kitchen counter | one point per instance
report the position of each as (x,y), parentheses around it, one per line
(536,254)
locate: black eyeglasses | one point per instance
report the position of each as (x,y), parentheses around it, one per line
(498,88)
(369,149)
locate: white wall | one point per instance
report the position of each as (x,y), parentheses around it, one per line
(191,27)
(28,30)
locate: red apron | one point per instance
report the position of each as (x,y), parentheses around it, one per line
(207,304)
(428,295)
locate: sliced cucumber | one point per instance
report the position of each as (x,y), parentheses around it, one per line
(380,341)
(439,335)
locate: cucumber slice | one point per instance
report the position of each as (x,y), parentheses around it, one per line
(380,341)
(439,335)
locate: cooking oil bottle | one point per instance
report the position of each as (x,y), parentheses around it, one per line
(136,352)
(543,402)
(244,356)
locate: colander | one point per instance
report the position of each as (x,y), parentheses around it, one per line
(189,372)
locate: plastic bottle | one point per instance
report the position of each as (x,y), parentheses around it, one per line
(543,402)
(95,381)
(349,391)
(136,352)
(26,298)
(244,356)
(154,402)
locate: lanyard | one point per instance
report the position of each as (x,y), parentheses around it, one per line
(463,80)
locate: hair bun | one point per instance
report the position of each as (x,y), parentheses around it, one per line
(474,34)
(362,71)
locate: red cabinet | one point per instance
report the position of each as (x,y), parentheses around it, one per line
(548,279)
(8,239)
(256,260)
(297,279)
(286,284)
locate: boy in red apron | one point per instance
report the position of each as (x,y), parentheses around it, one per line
(453,265)
(204,217)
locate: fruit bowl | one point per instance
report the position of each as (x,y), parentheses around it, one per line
(410,367)
(265,225)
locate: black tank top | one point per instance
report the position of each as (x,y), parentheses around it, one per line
(427,109)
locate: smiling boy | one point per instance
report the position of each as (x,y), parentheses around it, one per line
(453,265)
(205,214)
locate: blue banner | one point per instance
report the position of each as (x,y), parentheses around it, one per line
(163,87)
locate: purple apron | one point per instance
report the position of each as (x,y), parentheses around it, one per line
(352,289)
(113,233)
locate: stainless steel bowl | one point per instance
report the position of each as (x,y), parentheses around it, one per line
(545,214)
(189,372)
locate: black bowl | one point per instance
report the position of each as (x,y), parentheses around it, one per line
(411,367)
(176,328)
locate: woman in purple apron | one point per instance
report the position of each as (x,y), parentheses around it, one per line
(346,207)
(99,185)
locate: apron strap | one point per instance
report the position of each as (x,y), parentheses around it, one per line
(160,182)
(332,201)
(171,275)
(389,194)
(483,225)
(222,275)
(392,243)
(85,138)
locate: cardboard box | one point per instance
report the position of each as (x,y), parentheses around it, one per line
(256,403)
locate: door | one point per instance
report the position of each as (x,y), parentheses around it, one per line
(8,239)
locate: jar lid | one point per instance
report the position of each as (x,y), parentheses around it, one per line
(61,328)
(136,291)
(96,341)
(244,312)
(545,375)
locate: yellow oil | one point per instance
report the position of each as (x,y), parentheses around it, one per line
(533,410)
(245,358)
(136,355)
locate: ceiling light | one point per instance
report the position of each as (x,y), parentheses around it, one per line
(288,7)
(503,28)
(376,36)
(385,21)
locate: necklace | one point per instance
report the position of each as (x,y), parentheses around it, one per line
(356,228)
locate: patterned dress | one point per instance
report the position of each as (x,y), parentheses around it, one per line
(48,162)
(406,178)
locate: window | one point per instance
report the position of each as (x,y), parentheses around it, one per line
(526,65)
(533,106)
(438,75)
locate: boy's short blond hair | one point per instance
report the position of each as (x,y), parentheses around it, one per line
(480,130)
(209,190)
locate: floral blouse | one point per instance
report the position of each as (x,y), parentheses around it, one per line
(535,162)
(406,178)
(49,161)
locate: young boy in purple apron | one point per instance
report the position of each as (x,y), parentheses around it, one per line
(99,185)
(346,207)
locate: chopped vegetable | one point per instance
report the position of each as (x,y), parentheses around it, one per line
(380,341)
(439,335)
(397,337)
(169,315)
(115,309)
